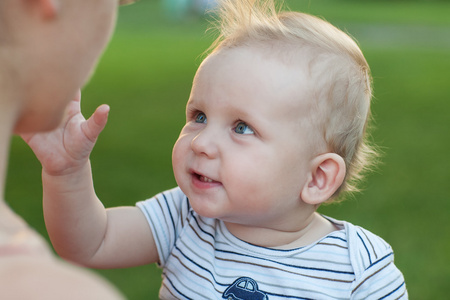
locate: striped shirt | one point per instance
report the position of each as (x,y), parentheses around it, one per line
(201,259)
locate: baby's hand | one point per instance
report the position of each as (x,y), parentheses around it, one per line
(66,149)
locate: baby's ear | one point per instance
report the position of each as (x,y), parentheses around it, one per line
(326,175)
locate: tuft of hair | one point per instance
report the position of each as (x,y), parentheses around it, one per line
(341,89)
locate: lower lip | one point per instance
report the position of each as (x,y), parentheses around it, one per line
(197,183)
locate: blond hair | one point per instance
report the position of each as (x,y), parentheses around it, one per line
(341,92)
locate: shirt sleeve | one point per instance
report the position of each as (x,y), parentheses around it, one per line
(166,215)
(382,280)
(377,277)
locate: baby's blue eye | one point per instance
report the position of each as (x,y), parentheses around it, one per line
(200,118)
(243,128)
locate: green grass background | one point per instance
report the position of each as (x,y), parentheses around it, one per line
(145,76)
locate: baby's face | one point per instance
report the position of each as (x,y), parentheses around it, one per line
(243,155)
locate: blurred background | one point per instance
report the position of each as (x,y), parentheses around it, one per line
(145,76)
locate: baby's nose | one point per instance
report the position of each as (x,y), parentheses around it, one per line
(205,143)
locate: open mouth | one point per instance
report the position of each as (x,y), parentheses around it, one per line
(203,178)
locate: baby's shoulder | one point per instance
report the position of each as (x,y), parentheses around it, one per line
(366,248)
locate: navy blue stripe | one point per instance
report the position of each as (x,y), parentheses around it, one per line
(380,260)
(368,254)
(393,291)
(173,286)
(201,267)
(287,265)
(336,237)
(371,245)
(170,212)
(199,227)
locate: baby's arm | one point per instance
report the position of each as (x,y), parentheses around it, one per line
(79,226)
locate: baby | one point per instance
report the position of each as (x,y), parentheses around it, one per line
(275,126)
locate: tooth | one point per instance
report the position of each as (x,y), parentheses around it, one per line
(205,179)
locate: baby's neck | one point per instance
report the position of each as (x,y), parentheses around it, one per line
(313,229)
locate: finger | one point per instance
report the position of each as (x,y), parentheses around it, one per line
(77,96)
(96,123)
(74,106)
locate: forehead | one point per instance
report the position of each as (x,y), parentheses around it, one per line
(248,75)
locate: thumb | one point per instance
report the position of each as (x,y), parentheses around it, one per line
(96,123)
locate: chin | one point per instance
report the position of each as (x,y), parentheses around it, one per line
(32,125)
(202,209)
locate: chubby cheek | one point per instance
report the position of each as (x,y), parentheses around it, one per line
(179,157)
(259,184)
(244,179)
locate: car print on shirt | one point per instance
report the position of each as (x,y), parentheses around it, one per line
(244,288)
